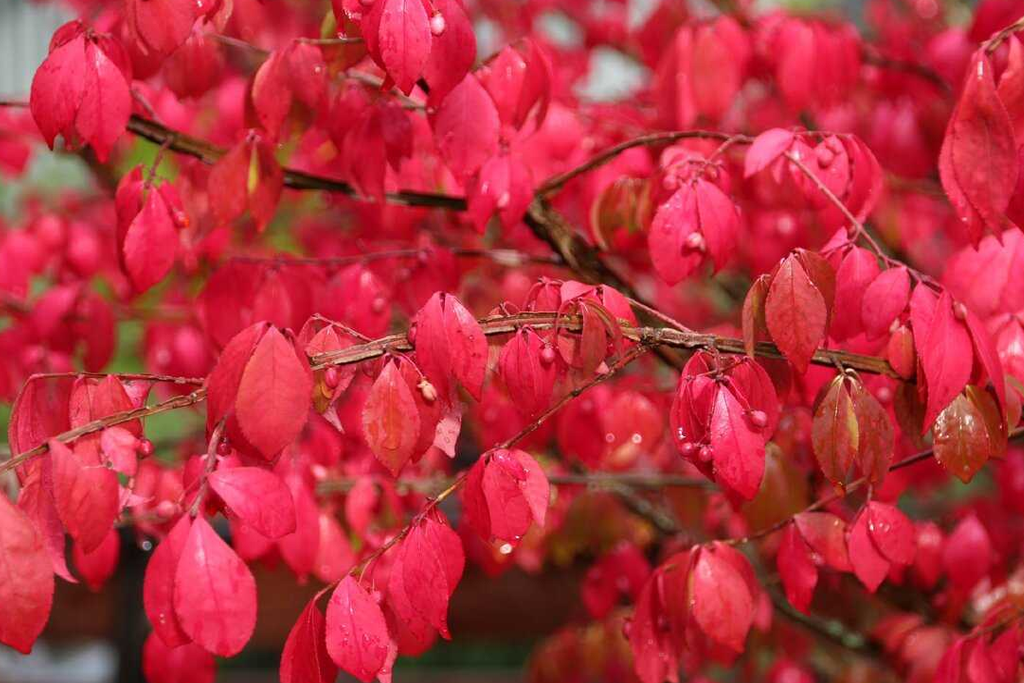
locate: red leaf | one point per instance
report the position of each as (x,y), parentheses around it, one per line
(299,549)
(26,579)
(391,422)
(39,412)
(248,176)
(222,384)
(158,585)
(258,497)
(962,441)
(424,579)
(84,491)
(118,446)
(453,52)
(869,565)
(106,101)
(968,555)
(36,501)
(214,593)
(150,243)
(450,343)
(161,25)
(185,664)
(273,394)
(58,87)
(797,570)
(978,162)
(766,148)
(987,354)
(875,438)
(944,347)
(669,240)
(721,601)
(826,535)
(528,377)
(737,446)
(834,433)
(893,534)
(357,635)
(99,565)
(884,299)
(308,74)
(796,313)
(403,41)
(335,556)
(858,269)
(304,658)
(466,127)
(271,94)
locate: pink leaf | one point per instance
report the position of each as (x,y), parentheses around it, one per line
(893,534)
(304,658)
(869,565)
(391,423)
(258,497)
(796,313)
(214,593)
(85,492)
(99,565)
(884,299)
(722,604)
(357,635)
(403,41)
(184,664)
(737,447)
(466,127)
(797,570)
(273,394)
(158,585)
(26,579)
(767,147)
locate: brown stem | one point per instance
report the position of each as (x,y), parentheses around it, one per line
(850,488)
(170,404)
(211,463)
(595,480)
(559,181)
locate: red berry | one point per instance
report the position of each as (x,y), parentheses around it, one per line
(688,449)
(758,418)
(437,24)
(145,448)
(705,454)
(331,377)
(224,448)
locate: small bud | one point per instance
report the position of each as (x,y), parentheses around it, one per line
(166,509)
(411,334)
(224,448)
(331,377)
(145,448)
(758,418)
(428,390)
(705,454)
(547,355)
(437,24)
(825,156)
(960,311)
(694,241)
(688,449)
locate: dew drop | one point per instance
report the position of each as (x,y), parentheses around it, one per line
(636,438)
(505,548)
(609,437)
